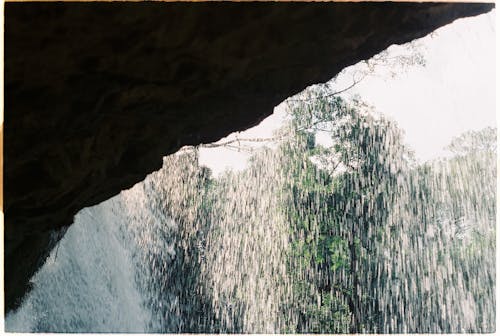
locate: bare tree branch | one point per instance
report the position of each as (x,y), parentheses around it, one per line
(229,142)
(353,84)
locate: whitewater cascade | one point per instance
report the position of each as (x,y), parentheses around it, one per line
(88,281)
(127,254)
(399,248)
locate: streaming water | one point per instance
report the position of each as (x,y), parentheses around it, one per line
(349,236)
(357,237)
(88,282)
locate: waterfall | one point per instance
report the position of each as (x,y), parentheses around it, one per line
(353,237)
(87,284)
(128,266)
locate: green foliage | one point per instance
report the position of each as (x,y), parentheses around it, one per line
(341,216)
(338,206)
(369,229)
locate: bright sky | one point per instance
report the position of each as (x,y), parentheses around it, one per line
(453,93)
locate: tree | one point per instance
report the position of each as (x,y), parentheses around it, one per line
(470,142)
(350,237)
(340,207)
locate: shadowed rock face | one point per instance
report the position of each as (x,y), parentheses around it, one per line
(97,93)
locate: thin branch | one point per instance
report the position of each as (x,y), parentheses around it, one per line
(353,84)
(314,128)
(229,144)
(213,145)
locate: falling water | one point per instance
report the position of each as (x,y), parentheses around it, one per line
(353,237)
(87,282)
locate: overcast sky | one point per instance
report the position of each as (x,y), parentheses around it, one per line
(454,92)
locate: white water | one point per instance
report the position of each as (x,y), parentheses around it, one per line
(117,268)
(153,259)
(88,282)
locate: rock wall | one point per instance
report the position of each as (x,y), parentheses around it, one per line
(97,93)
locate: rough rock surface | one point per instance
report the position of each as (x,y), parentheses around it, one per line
(97,93)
